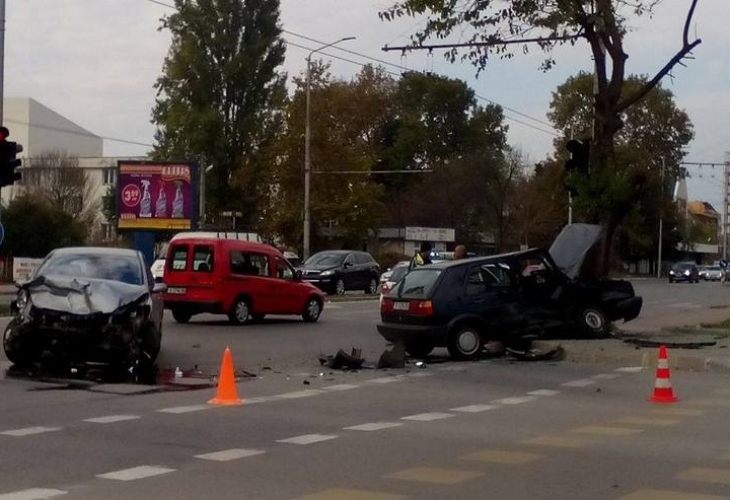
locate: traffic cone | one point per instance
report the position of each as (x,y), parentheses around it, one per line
(227,393)
(663,386)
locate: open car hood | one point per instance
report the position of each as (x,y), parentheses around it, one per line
(81,296)
(574,246)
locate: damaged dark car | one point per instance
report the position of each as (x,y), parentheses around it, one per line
(464,304)
(87,304)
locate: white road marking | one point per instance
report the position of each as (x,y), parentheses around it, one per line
(262,399)
(376,426)
(474,408)
(111,419)
(606,376)
(384,380)
(232,454)
(33,494)
(299,394)
(420,374)
(579,383)
(428,417)
(514,400)
(185,409)
(630,369)
(306,439)
(340,387)
(141,472)
(543,392)
(29,431)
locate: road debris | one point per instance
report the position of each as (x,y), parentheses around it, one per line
(342,360)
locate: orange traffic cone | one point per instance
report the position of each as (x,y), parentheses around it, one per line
(227,393)
(663,386)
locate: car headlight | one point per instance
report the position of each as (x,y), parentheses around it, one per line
(22,300)
(328,273)
(671,272)
(686,272)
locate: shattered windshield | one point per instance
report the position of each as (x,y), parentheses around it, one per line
(124,268)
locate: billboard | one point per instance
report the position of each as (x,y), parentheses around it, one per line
(155,195)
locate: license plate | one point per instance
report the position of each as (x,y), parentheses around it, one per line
(176,290)
(401,306)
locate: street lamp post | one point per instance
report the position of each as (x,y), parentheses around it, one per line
(307,138)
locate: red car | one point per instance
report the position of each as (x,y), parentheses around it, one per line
(242,279)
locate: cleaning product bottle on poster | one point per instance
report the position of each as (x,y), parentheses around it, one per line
(145,206)
(161,205)
(178,203)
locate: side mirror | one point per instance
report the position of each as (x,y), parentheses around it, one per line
(347,264)
(159,288)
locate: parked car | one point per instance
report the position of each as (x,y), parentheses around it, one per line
(702,272)
(386,274)
(87,304)
(684,271)
(463,304)
(335,271)
(245,280)
(396,273)
(711,273)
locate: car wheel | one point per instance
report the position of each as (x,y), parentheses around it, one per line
(593,321)
(419,349)
(372,287)
(181,316)
(339,287)
(239,312)
(464,342)
(13,347)
(312,310)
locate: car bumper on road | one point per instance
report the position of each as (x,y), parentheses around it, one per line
(630,308)
(393,332)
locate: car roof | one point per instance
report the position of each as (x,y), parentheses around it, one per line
(97,251)
(341,252)
(443,264)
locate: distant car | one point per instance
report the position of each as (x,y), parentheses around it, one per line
(712,273)
(87,305)
(158,270)
(684,271)
(386,275)
(702,271)
(464,304)
(395,275)
(335,271)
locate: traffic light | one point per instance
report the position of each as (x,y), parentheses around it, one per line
(8,161)
(579,156)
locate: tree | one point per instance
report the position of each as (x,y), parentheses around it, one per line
(58,179)
(219,96)
(34,227)
(603,24)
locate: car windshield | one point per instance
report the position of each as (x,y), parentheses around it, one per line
(713,268)
(417,283)
(684,265)
(124,268)
(324,259)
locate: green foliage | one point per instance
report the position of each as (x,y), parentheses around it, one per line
(33,228)
(386,260)
(109,205)
(219,95)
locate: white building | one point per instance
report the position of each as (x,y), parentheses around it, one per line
(41,130)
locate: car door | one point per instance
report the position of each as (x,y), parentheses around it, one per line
(250,274)
(488,292)
(291,292)
(350,272)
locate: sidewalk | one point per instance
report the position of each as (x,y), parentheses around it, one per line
(688,332)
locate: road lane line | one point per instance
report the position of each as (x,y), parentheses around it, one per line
(428,417)
(375,426)
(185,409)
(384,380)
(605,376)
(33,494)
(299,394)
(474,408)
(630,369)
(262,399)
(340,387)
(227,455)
(141,472)
(29,431)
(579,383)
(515,400)
(543,392)
(306,439)
(111,419)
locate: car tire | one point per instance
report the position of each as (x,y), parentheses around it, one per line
(240,312)
(419,349)
(339,288)
(372,287)
(181,316)
(464,342)
(312,310)
(13,348)
(593,321)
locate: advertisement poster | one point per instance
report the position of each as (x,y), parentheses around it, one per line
(155,195)
(24,267)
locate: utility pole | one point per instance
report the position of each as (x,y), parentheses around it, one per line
(661,226)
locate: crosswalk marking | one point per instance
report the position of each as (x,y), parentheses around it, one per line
(33,494)
(375,426)
(227,455)
(474,408)
(516,400)
(141,472)
(29,431)
(184,409)
(428,417)
(111,419)
(306,439)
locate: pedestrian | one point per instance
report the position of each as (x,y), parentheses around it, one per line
(460,252)
(422,257)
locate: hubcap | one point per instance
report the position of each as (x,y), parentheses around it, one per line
(373,286)
(313,309)
(340,287)
(241,311)
(468,341)
(593,320)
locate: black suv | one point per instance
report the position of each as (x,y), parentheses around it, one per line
(684,271)
(463,304)
(335,271)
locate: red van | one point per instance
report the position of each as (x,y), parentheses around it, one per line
(243,279)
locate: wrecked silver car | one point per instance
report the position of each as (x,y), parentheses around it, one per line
(87,305)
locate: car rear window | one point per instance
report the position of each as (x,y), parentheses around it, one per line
(417,283)
(179,260)
(203,258)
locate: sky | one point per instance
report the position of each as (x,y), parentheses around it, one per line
(96,62)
